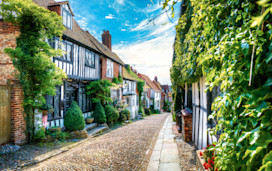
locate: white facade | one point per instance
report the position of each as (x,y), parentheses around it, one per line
(156,96)
(130,96)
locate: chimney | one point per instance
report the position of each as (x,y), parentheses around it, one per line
(106,38)
(156,78)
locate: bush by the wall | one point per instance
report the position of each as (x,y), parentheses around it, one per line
(126,112)
(147,111)
(99,114)
(73,119)
(112,114)
(122,117)
(40,134)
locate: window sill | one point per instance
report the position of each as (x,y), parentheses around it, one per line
(89,66)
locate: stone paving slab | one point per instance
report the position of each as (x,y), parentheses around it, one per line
(167,159)
(169,167)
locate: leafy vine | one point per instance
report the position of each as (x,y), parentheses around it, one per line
(32,56)
(225,41)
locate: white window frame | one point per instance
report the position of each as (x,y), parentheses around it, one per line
(109,71)
(66,22)
(90,59)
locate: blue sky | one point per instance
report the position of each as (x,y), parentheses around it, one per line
(148,47)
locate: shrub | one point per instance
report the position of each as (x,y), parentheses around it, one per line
(40,134)
(99,114)
(147,111)
(123,117)
(112,114)
(73,119)
(126,112)
(115,115)
(115,80)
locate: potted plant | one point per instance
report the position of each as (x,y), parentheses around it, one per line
(89,120)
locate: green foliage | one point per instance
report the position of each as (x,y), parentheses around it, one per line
(73,119)
(156,111)
(219,40)
(120,78)
(32,56)
(112,114)
(56,134)
(99,91)
(147,111)
(174,116)
(126,112)
(122,117)
(40,134)
(166,106)
(99,114)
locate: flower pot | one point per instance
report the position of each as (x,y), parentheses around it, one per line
(89,120)
(200,161)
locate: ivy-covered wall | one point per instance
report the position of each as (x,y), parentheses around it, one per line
(229,42)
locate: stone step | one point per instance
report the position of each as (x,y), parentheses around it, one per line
(90,126)
(97,130)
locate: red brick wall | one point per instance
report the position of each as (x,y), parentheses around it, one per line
(104,68)
(55,8)
(18,124)
(8,34)
(187,122)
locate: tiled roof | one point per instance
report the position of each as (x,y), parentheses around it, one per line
(127,75)
(149,82)
(82,36)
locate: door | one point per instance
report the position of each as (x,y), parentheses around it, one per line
(5,118)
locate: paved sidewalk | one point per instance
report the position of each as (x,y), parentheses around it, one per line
(165,154)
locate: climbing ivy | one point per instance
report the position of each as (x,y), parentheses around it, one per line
(229,42)
(32,56)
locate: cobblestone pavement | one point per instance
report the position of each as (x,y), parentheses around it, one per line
(126,148)
(27,154)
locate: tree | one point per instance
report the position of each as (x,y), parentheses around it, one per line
(32,56)
(99,91)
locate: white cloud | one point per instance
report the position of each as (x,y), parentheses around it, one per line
(141,26)
(121,2)
(109,16)
(123,30)
(151,57)
(127,23)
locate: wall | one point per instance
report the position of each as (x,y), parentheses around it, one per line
(103,61)
(8,34)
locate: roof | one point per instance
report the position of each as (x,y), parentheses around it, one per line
(81,36)
(127,75)
(104,49)
(149,82)
(165,87)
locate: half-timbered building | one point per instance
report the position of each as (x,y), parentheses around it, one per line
(197,101)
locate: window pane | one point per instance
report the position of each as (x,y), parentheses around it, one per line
(69,21)
(64,15)
(69,52)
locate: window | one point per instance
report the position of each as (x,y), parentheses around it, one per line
(90,59)
(120,70)
(85,102)
(109,69)
(66,48)
(67,17)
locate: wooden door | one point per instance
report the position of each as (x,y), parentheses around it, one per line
(5,118)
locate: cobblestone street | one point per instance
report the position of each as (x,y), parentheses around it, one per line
(126,148)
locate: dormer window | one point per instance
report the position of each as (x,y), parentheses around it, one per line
(67,16)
